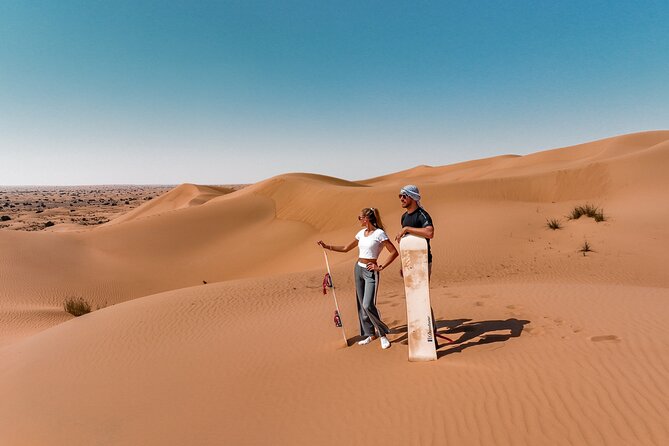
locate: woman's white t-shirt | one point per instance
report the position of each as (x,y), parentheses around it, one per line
(370,246)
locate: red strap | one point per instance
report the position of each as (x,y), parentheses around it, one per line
(327,283)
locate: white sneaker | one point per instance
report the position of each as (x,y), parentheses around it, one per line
(385,343)
(365,341)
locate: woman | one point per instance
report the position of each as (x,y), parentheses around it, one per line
(370,241)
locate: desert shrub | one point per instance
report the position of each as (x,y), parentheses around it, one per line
(48,224)
(5,218)
(553,223)
(585,248)
(76,306)
(588,210)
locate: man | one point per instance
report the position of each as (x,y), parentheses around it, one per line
(415,220)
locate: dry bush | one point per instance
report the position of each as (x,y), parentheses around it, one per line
(76,306)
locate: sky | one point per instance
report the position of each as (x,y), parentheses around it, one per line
(228,92)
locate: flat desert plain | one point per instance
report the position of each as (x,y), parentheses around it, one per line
(213,328)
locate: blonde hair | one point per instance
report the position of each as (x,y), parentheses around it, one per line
(374,217)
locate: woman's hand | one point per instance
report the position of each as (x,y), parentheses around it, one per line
(338,248)
(374,267)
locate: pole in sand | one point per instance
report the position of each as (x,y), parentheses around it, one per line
(329,283)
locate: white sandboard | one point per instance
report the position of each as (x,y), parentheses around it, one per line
(420,330)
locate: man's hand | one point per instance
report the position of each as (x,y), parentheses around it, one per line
(402,233)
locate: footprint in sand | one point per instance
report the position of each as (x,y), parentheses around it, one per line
(604,338)
(535,331)
(478,303)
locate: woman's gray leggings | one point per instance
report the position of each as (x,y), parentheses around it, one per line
(366,285)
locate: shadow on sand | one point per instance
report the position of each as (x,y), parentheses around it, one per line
(470,332)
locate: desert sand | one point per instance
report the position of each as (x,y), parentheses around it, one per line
(553,346)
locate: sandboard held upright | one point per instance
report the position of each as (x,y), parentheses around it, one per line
(420,331)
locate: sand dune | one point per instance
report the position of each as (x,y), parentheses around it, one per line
(552,346)
(255,362)
(183,196)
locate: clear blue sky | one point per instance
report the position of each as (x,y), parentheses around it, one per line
(101,92)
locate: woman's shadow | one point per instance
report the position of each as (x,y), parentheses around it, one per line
(471,330)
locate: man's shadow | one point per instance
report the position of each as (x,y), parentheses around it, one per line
(471,331)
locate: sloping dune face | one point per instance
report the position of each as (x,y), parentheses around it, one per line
(552,345)
(183,196)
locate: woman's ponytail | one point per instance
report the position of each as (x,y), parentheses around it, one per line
(374,217)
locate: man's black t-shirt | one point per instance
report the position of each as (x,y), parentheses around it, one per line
(419,219)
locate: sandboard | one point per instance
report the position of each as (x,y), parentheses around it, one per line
(420,331)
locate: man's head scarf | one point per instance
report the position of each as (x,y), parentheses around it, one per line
(412,192)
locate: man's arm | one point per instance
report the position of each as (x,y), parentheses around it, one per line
(426,232)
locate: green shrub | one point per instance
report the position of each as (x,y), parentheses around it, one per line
(588,210)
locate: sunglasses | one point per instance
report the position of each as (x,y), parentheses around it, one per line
(403,196)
